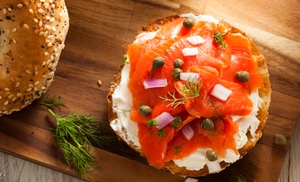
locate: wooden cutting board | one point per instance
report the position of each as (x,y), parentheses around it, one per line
(96,41)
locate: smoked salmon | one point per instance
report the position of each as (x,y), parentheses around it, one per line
(195,82)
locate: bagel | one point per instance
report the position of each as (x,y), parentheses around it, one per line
(32,38)
(197,149)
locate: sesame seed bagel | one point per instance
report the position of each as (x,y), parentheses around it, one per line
(125,128)
(32,38)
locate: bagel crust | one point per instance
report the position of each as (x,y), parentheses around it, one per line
(32,38)
(264,93)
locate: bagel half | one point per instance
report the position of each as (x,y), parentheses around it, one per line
(128,132)
(32,38)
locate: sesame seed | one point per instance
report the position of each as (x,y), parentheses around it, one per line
(13,30)
(25,26)
(47,27)
(20,5)
(17,84)
(6,89)
(4,11)
(46,53)
(6,103)
(40,10)
(29,89)
(36,83)
(49,44)
(28,72)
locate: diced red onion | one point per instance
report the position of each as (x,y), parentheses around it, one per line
(190,51)
(155,83)
(188,132)
(189,76)
(163,119)
(220,92)
(195,40)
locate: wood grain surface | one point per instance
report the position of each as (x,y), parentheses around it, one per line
(96,41)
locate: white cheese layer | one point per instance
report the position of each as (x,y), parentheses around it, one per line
(122,100)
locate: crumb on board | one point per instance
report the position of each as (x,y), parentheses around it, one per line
(99,82)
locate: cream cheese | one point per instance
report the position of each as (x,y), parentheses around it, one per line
(128,129)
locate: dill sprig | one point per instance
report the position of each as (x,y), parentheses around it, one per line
(218,37)
(52,102)
(174,101)
(191,89)
(241,178)
(75,134)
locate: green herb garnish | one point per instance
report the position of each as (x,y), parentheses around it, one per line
(124,59)
(151,123)
(161,133)
(177,149)
(218,37)
(241,178)
(75,134)
(191,89)
(52,102)
(174,102)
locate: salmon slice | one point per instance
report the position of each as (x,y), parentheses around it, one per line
(154,144)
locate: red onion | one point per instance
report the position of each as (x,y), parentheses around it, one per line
(163,119)
(189,76)
(220,92)
(188,132)
(195,40)
(190,51)
(155,83)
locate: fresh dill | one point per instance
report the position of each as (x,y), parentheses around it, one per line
(218,37)
(191,89)
(161,133)
(124,59)
(75,135)
(174,102)
(241,178)
(52,102)
(152,123)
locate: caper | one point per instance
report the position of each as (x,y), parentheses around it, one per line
(158,62)
(242,76)
(176,121)
(208,124)
(188,22)
(211,155)
(145,110)
(178,63)
(279,139)
(176,73)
